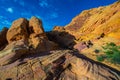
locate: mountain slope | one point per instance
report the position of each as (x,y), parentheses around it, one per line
(91,23)
(92,29)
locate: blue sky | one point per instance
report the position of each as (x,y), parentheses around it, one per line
(52,12)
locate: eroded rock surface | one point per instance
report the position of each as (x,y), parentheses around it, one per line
(35,26)
(64,39)
(24,38)
(13,52)
(18,30)
(37,37)
(58,65)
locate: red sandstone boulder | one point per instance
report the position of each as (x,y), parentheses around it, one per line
(38,39)
(35,25)
(18,30)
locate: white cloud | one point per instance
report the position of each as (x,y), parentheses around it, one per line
(4,22)
(43,3)
(10,10)
(54,15)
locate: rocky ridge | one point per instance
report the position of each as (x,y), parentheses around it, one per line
(91,30)
(89,24)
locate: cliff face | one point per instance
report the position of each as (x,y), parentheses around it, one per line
(91,23)
(91,30)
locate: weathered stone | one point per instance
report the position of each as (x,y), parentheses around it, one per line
(41,43)
(38,39)
(58,28)
(18,30)
(35,26)
(59,65)
(13,51)
(85,69)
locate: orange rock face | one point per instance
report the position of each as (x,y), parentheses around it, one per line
(37,37)
(32,32)
(94,27)
(40,43)
(59,28)
(35,26)
(18,30)
(91,23)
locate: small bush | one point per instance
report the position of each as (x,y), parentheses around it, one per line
(100,58)
(112,53)
(96,51)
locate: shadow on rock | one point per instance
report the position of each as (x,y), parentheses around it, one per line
(64,39)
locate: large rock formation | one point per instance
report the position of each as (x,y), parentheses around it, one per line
(31,32)
(59,65)
(91,30)
(91,23)
(37,37)
(35,26)
(18,30)
(24,39)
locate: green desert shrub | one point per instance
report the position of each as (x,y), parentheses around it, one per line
(112,53)
(100,58)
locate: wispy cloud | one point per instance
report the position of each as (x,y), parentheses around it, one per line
(43,3)
(4,22)
(54,15)
(10,10)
